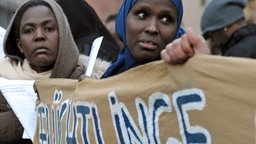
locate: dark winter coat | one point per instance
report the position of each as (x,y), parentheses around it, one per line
(242,43)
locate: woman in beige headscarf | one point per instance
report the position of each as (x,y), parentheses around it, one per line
(38,44)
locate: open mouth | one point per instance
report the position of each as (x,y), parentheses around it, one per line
(148,44)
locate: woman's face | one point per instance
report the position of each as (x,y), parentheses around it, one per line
(39,37)
(150,26)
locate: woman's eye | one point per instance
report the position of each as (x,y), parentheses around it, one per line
(28,31)
(166,20)
(49,29)
(141,15)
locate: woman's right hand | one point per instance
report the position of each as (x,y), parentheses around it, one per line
(181,49)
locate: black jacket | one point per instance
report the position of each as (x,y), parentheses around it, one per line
(242,43)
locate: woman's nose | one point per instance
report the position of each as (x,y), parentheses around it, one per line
(39,35)
(151,27)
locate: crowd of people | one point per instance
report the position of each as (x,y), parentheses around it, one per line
(43,40)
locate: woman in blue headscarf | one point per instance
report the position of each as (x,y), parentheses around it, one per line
(145,27)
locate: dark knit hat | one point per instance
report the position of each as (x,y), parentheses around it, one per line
(221,13)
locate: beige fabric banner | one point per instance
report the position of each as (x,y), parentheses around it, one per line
(209,99)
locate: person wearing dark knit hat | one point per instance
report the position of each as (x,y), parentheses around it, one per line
(223,23)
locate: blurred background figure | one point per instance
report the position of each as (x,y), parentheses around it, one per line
(110,24)
(223,23)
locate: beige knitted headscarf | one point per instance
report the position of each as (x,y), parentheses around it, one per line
(67,57)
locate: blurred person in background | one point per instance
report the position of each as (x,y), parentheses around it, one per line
(223,23)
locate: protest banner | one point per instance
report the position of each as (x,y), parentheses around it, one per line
(209,99)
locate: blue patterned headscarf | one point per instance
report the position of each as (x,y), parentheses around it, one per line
(125,59)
